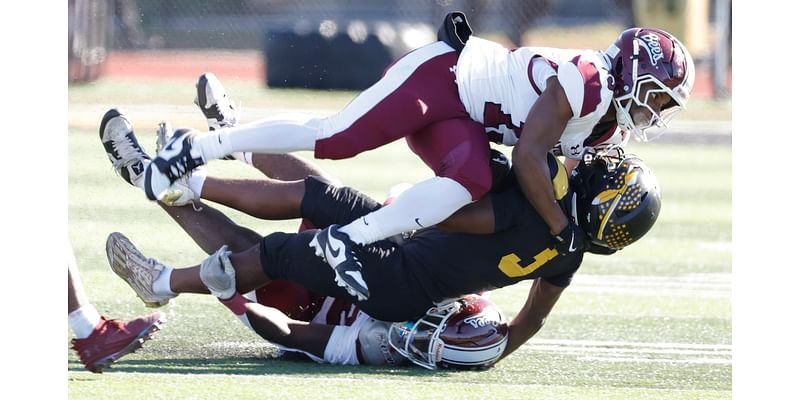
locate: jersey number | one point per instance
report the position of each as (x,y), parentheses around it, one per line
(494,117)
(510,266)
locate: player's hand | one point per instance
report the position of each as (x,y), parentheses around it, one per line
(218,275)
(571,239)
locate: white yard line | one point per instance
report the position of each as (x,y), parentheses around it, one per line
(698,285)
(594,350)
(720,361)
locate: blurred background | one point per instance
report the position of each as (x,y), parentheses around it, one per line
(329,44)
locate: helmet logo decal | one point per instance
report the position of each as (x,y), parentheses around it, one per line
(653,45)
(616,195)
(436,351)
(479,321)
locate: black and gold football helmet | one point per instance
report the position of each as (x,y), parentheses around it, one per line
(616,199)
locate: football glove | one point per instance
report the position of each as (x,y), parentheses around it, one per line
(571,239)
(596,249)
(218,275)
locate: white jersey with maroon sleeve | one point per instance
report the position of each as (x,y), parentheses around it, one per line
(499,86)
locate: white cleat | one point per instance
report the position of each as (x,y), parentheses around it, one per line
(134,268)
(176,160)
(215,103)
(122,148)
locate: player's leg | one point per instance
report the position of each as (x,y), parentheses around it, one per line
(274,326)
(415,91)
(262,198)
(82,315)
(463,175)
(210,228)
(207,226)
(220,276)
(326,204)
(147,276)
(100,341)
(457,150)
(288,167)
(220,112)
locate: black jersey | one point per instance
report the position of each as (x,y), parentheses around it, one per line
(450,264)
(407,279)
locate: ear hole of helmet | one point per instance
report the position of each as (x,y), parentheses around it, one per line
(618,67)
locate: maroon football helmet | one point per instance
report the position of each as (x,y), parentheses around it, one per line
(645,55)
(469,333)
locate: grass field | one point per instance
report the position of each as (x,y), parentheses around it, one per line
(651,322)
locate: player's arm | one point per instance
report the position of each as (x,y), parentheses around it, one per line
(270,323)
(543,127)
(276,327)
(541,299)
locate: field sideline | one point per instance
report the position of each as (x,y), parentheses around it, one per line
(651,322)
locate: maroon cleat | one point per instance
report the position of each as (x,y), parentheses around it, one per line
(112,339)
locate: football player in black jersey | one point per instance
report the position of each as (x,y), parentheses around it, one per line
(489,244)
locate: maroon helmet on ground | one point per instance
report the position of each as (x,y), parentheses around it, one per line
(469,333)
(646,55)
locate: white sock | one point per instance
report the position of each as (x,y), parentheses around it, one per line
(83,321)
(196,181)
(161,284)
(270,136)
(441,197)
(212,145)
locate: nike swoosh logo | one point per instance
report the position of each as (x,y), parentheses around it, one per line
(331,250)
(571,243)
(364,220)
(219,139)
(417,221)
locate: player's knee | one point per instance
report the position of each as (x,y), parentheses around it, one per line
(476,185)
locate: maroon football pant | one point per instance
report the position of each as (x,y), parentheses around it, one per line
(417,99)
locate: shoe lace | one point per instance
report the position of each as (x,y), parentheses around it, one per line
(228,113)
(129,152)
(196,207)
(179,165)
(118,324)
(142,271)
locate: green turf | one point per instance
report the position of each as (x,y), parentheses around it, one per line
(672,288)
